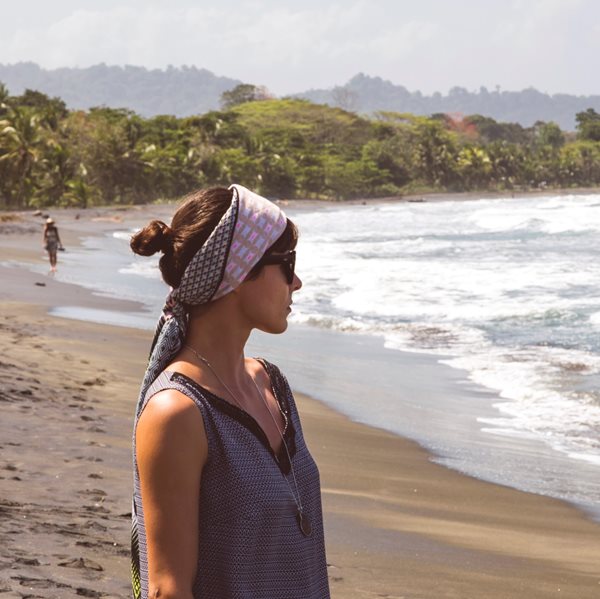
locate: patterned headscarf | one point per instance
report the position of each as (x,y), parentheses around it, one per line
(249,227)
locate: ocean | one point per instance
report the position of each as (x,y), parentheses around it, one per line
(502,296)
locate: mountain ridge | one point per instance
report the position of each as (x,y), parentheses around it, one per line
(189,90)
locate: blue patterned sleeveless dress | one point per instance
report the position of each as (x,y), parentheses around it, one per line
(250,542)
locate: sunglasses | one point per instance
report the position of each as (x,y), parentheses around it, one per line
(287,262)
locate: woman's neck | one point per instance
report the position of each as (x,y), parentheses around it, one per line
(219,336)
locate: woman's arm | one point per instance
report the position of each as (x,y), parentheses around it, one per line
(171,450)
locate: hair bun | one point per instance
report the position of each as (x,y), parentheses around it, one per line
(155,237)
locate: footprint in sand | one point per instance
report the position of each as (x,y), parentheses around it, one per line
(39,583)
(97,381)
(83,592)
(82,563)
(96,493)
(87,544)
(96,429)
(91,525)
(27,561)
(33,583)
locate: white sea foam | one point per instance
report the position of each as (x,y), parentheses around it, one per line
(550,215)
(505,286)
(585,457)
(539,401)
(124,235)
(147,268)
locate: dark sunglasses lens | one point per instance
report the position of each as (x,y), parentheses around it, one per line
(289,266)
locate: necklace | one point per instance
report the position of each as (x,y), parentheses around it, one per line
(301,517)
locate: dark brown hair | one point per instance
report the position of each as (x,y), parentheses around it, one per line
(191,226)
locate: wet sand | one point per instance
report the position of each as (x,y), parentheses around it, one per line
(397,525)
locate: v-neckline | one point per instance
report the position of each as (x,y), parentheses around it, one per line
(280,457)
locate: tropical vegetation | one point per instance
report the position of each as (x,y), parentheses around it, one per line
(284,148)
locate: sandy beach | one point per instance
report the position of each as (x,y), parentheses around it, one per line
(397,524)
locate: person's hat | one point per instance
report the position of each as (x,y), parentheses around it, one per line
(49,221)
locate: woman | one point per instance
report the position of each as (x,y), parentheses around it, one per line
(51,242)
(227,499)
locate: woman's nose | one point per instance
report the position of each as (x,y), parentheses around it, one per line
(296,283)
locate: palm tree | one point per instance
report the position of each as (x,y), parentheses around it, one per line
(4,95)
(20,140)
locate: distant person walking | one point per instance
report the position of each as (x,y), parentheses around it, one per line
(52,242)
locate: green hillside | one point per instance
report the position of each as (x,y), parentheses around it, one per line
(288,148)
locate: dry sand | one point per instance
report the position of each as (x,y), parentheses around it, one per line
(397,525)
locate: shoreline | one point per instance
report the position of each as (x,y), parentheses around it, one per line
(108,216)
(468,196)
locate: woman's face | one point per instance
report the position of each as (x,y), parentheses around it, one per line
(266,299)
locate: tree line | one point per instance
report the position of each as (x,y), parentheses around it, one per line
(288,148)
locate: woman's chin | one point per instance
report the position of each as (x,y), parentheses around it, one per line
(274,328)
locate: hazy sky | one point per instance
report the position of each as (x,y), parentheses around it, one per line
(431,45)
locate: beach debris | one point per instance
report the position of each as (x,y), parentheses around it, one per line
(10,218)
(40,284)
(108,219)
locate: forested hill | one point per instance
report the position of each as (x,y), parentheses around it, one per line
(287,148)
(189,91)
(178,91)
(366,94)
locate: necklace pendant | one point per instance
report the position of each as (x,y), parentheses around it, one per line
(304,523)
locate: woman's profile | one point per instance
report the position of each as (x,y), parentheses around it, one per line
(51,242)
(227,500)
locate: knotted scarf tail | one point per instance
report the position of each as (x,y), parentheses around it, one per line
(168,340)
(159,326)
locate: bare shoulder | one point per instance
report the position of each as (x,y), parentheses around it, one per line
(171,419)
(170,407)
